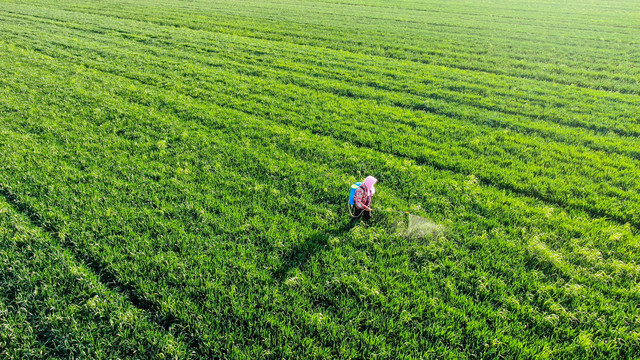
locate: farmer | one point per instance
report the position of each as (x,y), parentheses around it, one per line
(362,198)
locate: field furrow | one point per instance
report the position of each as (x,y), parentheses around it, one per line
(542,189)
(564,73)
(54,307)
(174,179)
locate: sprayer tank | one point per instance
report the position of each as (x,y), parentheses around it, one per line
(354,187)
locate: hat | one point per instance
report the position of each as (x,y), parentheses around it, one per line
(368,184)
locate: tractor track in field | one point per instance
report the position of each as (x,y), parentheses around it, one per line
(421,160)
(187,163)
(106,276)
(518,126)
(478,69)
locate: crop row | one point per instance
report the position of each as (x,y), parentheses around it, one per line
(127,142)
(125,178)
(50,305)
(460,92)
(493,62)
(152,36)
(605,189)
(582,111)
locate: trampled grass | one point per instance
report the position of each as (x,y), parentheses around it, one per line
(174,179)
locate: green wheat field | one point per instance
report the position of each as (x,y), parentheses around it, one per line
(174,177)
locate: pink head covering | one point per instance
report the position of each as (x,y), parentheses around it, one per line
(368,184)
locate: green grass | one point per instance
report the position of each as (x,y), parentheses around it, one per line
(174,179)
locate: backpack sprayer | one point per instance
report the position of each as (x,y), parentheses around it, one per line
(352,194)
(354,187)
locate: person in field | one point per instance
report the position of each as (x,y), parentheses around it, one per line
(362,198)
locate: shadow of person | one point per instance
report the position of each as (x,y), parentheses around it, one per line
(301,253)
